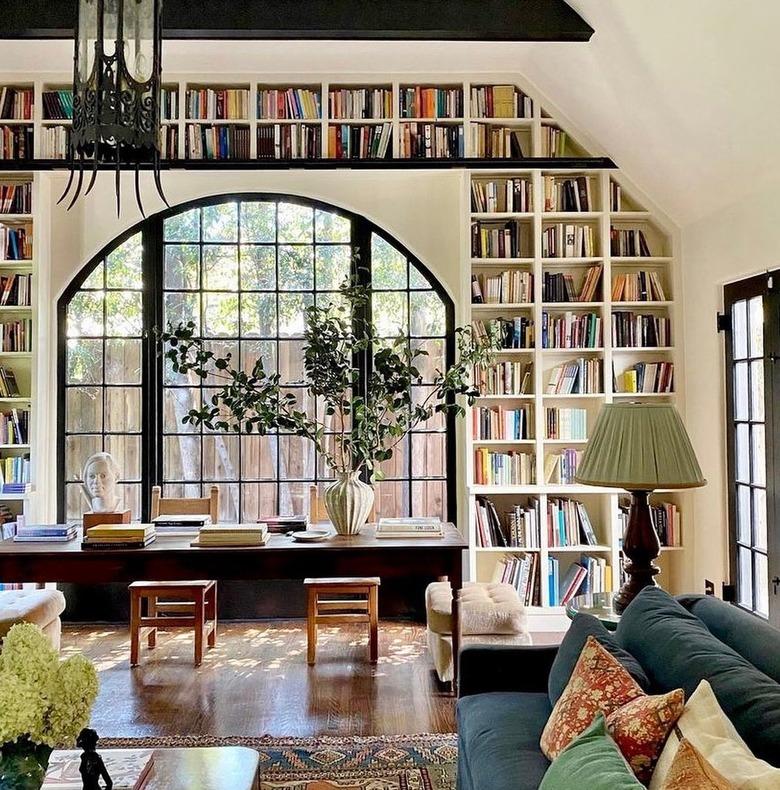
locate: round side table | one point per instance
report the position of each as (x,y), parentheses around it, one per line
(600,605)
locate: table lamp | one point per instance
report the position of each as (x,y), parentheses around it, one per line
(639,447)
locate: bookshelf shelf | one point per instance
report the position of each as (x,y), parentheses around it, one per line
(490,306)
(623,260)
(643,394)
(564,262)
(642,349)
(503,549)
(579,350)
(574,395)
(621,305)
(573,216)
(502,442)
(577,549)
(502,215)
(569,306)
(16,218)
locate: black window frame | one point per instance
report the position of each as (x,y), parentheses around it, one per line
(152,379)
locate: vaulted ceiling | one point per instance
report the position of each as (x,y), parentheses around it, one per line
(682,94)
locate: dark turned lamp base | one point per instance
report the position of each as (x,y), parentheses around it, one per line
(640,548)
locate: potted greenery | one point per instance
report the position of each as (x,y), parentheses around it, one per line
(368,423)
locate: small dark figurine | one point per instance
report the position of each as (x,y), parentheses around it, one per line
(92,767)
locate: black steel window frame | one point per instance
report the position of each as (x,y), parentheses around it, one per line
(152,379)
(767,287)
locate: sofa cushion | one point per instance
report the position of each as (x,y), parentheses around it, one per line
(749,635)
(29,606)
(583,626)
(498,735)
(691,771)
(676,649)
(486,608)
(591,762)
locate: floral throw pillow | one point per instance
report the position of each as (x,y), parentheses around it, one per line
(598,683)
(690,771)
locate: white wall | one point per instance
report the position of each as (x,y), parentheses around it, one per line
(733,243)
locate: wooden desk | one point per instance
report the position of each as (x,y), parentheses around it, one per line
(171,558)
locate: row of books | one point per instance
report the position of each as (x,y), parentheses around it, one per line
(516,332)
(568,194)
(504,378)
(289,103)
(570,330)
(217,142)
(510,194)
(169,104)
(431,141)
(519,528)
(629,242)
(636,330)
(9,387)
(358,103)
(647,377)
(560,286)
(510,287)
(16,198)
(169,142)
(218,104)
(15,243)
(16,335)
(15,427)
(55,142)
(499,239)
(666,520)
(16,104)
(16,142)
(553,142)
(576,377)
(15,474)
(638,287)
(497,142)
(289,141)
(522,572)
(500,101)
(119,536)
(569,241)
(371,141)
(590,575)
(568,523)
(419,102)
(499,423)
(58,104)
(232,535)
(615,197)
(560,468)
(503,468)
(566,423)
(44,533)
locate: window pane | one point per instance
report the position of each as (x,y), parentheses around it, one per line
(391,499)
(84,410)
(291,361)
(744,517)
(229,494)
(296,460)
(258,315)
(123,409)
(331,227)
(429,455)
(85,314)
(258,268)
(124,314)
(181,457)
(743,454)
(759,455)
(741,391)
(77,450)
(258,222)
(420,395)
(258,501)
(398,464)
(295,223)
(220,315)
(123,361)
(131,499)
(389,311)
(745,578)
(291,313)
(96,278)
(759,520)
(427,317)
(220,223)
(432,361)
(84,362)
(757,390)
(429,498)
(739,329)
(182,266)
(388,266)
(220,268)
(333,266)
(127,453)
(181,308)
(123,265)
(296,268)
(183,227)
(258,457)
(177,402)
(417,279)
(293,498)
(264,350)
(762,584)
(756,321)
(220,457)
(222,349)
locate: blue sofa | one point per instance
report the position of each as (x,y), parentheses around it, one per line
(507,693)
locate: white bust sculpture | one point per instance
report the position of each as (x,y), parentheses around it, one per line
(100,477)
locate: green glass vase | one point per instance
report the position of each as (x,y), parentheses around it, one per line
(23,765)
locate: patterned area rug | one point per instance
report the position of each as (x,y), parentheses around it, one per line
(394,762)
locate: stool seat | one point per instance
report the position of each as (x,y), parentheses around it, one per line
(171,585)
(344,581)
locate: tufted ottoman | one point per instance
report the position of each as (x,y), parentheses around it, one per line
(490,613)
(42,607)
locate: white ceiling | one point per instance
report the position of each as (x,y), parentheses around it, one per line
(682,94)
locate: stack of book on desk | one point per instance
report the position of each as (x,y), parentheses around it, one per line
(172,524)
(232,535)
(119,536)
(409,528)
(45,533)
(284,524)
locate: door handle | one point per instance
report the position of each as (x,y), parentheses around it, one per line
(775,584)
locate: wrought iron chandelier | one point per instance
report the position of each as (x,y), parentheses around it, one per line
(116,92)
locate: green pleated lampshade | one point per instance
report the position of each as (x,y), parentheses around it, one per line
(639,447)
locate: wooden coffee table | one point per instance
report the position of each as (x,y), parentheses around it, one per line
(204,768)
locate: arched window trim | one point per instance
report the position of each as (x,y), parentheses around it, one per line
(152,379)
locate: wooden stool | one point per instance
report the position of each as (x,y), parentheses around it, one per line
(327,611)
(194,605)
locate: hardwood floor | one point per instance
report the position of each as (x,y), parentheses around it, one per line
(256,682)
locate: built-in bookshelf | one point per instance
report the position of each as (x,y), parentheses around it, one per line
(581,279)
(18,245)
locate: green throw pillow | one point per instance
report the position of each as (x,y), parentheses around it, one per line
(592,761)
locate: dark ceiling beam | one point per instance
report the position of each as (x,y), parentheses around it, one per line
(445,20)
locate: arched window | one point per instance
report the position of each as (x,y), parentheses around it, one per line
(243,268)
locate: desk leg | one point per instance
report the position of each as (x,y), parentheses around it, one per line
(456,579)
